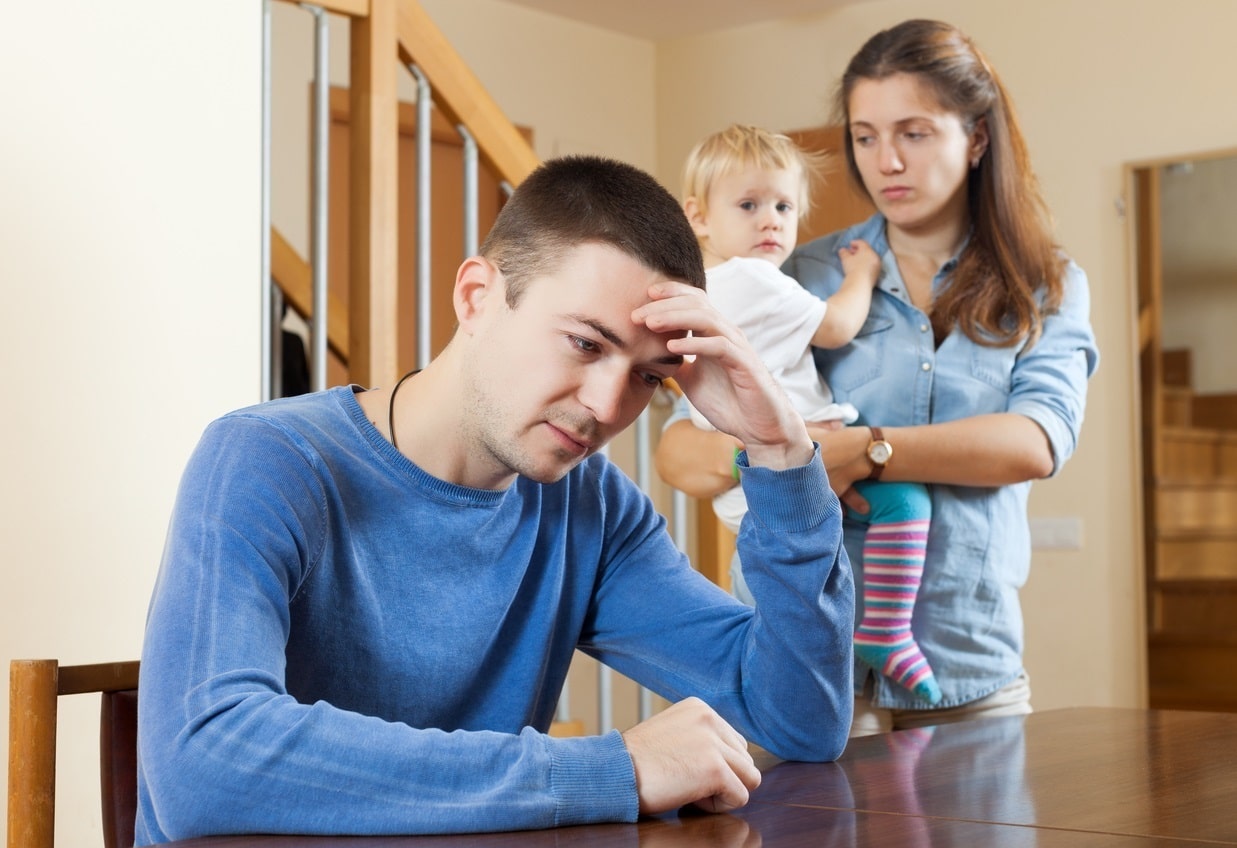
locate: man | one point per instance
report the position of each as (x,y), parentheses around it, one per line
(369,600)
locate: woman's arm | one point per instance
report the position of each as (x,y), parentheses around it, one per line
(998,449)
(695,461)
(984,450)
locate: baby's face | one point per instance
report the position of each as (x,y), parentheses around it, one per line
(752,212)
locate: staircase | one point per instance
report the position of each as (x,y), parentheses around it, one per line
(1191,508)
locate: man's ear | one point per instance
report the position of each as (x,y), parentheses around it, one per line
(694,210)
(478,284)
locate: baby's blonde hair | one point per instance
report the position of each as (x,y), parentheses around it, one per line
(744,146)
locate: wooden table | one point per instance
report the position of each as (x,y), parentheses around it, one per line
(1085,778)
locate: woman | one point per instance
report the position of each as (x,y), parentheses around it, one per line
(973,361)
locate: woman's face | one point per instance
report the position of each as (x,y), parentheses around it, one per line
(913,155)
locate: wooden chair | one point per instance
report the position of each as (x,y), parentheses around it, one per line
(34,689)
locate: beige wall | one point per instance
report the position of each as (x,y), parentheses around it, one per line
(1097,85)
(129,258)
(130,194)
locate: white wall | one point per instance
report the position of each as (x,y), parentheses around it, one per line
(1097,85)
(129,260)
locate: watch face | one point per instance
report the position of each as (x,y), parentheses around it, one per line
(879,452)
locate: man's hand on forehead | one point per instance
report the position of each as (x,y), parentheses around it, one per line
(724,378)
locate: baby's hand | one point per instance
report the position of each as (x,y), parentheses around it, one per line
(858,257)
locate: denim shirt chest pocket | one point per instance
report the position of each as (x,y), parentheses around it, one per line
(990,371)
(860,362)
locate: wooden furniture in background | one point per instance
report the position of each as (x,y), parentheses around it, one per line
(34,689)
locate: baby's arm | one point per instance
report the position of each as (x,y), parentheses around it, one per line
(848,307)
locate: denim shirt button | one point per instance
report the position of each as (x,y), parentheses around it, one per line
(927,366)
(923,328)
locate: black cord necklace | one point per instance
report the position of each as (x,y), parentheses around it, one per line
(391,406)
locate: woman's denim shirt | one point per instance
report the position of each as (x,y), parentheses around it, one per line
(967,619)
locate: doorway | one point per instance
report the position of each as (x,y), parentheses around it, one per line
(1185,217)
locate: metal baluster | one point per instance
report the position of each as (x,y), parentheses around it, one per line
(424,101)
(605,679)
(471,192)
(275,329)
(319,187)
(265,286)
(643,478)
(605,693)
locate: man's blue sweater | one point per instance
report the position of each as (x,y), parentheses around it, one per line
(341,643)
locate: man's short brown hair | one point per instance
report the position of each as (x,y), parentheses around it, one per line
(575,200)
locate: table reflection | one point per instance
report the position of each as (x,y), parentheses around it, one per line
(973,770)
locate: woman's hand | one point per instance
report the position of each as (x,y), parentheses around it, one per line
(844,453)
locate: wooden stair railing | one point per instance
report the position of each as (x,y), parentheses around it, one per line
(294,278)
(385,36)
(460,95)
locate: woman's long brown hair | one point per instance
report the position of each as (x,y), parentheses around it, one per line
(1010,274)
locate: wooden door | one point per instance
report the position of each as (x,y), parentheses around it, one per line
(837,201)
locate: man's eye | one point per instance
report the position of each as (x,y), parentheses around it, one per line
(583,345)
(652,380)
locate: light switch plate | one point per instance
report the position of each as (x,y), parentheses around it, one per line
(1060,533)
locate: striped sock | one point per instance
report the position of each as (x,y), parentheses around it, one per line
(893,556)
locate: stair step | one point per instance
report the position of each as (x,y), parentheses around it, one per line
(1196,507)
(1193,555)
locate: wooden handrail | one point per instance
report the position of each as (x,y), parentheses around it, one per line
(351,8)
(295,278)
(460,95)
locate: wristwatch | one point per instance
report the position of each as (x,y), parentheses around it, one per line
(879,453)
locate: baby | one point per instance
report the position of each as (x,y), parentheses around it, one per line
(744,191)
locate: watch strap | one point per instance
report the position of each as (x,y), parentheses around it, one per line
(877,467)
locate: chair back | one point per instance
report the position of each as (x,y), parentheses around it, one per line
(34,689)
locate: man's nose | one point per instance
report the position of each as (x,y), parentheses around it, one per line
(604,393)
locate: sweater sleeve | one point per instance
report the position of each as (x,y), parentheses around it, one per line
(779,672)
(225,749)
